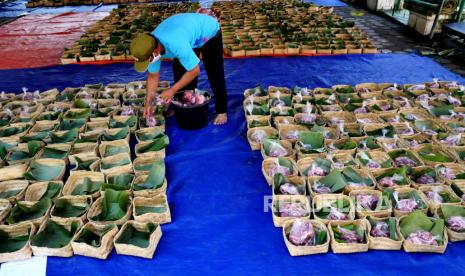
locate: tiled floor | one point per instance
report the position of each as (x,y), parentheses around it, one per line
(390,36)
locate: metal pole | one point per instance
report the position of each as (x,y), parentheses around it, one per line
(436,20)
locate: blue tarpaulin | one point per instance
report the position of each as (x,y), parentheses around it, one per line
(215,186)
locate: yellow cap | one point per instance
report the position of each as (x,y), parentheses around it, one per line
(142,47)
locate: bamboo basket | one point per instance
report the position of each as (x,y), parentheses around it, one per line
(148,130)
(433,206)
(101,103)
(117,143)
(419,114)
(37,221)
(119,169)
(454,167)
(269,132)
(44,126)
(368,118)
(375,213)
(382,243)
(379,172)
(89,149)
(96,209)
(416,185)
(339,116)
(283,111)
(330,108)
(405,190)
(36,191)
(113,131)
(143,161)
(14,185)
(330,146)
(22,147)
(322,200)
(283,90)
(342,248)
(266,120)
(413,153)
(388,144)
(64,147)
(65,251)
(101,124)
(304,163)
(77,177)
(295,250)
(404,129)
(122,118)
(259,100)
(411,247)
(286,131)
(85,157)
(17,230)
(148,192)
(161,154)
(94,134)
(129,249)
(269,162)
(84,201)
(51,162)
(158,218)
(295,180)
(5,208)
(364,174)
(286,144)
(415,93)
(406,141)
(369,87)
(283,121)
(106,246)
(391,111)
(279,221)
(342,160)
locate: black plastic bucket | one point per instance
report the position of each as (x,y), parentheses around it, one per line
(191,117)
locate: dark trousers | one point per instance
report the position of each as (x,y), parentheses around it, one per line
(212,57)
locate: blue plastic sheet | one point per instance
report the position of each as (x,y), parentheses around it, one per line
(215,186)
(328,3)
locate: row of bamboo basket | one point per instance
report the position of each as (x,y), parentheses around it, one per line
(325,150)
(72,181)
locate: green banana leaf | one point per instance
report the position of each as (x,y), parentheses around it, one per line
(311,142)
(388,132)
(9,193)
(280,179)
(53,190)
(423,125)
(3,152)
(417,220)
(94,239)
(65,97)
(115,163)
(54,153)
(338,236)
(423,171)
(345,90)
(252,124)
(111,150)
(448,211)
(7,146)
(135,237)
(42,172)
(78,114)
(33,147)
(146,136)
(101,112)
(120,182)
(87,187)
(284,112)
(129,122)
(320,237)
(429,154)
(324,164)
(136,102)
(12,244)
(285,98)
(335,181)
(143,121)
(114,206)
(345,145)
(89,137)
(258,91)
(365,157)
(68,136)
(21,212)
(65,209)
(157,144)
(12,130)
(370,143)
(155,179)
(121,134)
(399,153)
(444,110)
(391,222)
(395,171)
(343,205)
(49,116)
(259,110)
(85,165)
(159,209)
(352,176)
(39,136)
(82,103)
(54,235)
(70,124)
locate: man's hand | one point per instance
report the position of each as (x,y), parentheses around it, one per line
(148,110)
(168,94)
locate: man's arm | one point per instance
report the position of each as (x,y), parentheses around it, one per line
(185,80)
(152,87)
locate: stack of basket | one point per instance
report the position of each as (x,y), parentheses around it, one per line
(328,150)
(69,181)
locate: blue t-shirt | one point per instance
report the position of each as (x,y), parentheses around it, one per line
(180,34)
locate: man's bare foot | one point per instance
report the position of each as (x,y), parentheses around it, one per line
(221,119)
